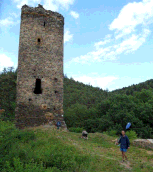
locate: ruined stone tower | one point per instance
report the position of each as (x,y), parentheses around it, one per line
(40,68)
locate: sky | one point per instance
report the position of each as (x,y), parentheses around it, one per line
(107,44)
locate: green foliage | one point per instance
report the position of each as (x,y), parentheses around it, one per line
(112,132)
(76,130)
(9,139)
(76,92)
(98,124)
(8,79)
(19,166)
(75,115)
(144,95)
(27,151)
(131,134)
(63,151)
(26,136)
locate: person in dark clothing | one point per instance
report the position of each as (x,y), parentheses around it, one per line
(124,144)
(84,135)
(58,124)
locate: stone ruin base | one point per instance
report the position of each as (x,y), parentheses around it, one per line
(34,116)
(144,143)
(46,127)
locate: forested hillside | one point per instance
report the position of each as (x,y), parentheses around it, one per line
(93,108)
(137,87)
(76,92)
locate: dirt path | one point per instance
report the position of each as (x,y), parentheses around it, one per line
(78,145)
(126,165)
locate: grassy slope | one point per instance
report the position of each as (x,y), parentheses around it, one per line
(106,156)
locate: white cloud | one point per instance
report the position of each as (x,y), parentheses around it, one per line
(20,3)
(133,43)
(101,82)
(53,5)
(14,15)
(111,52)
(5,61)
(132,15)
(67,36)
(7,21)
(74,14)
(64,3)
(105,41)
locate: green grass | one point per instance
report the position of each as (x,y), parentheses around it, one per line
(55,151)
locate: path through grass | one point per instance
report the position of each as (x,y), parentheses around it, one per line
(107,156)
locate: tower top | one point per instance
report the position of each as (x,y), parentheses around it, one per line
(40,11)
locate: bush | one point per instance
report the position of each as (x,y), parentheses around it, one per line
(10,137)
(26,136)
(131,134)
(76,130)
(19,166)
(111,132)
(27,152)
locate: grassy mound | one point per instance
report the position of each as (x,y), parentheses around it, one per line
(55,151)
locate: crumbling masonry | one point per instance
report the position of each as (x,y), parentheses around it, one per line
(40,68)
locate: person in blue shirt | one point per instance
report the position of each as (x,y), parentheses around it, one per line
(124,144)
(58,124)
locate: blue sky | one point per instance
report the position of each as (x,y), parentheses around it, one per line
(108,44)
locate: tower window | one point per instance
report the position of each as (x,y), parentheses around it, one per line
(55,79)
(38,40)
(38,89)
(44,24)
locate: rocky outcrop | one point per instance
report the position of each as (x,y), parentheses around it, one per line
(145,143)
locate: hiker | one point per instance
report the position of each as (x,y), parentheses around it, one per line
(84,135)
(124,145)
(58,124)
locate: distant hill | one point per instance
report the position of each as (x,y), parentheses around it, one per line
(77,92)
(135,87)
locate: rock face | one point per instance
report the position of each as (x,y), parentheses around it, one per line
(40,68)
(145,143)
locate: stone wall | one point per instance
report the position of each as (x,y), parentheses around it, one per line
(40,57)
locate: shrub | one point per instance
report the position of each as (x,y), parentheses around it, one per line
(111,132)
(76,130)
(26,136)
(131,134)
(10,138)
(19,166)
(19,147)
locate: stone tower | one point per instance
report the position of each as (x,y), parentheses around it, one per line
(40,68)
